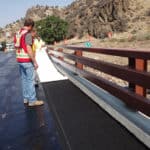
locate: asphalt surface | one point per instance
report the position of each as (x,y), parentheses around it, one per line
(22,128)
(84,125)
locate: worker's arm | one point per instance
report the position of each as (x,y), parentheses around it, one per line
(29,42)
(32,56)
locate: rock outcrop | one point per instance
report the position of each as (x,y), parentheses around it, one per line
(97,17)
(39,12)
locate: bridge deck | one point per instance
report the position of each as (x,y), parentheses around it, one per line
(81,124)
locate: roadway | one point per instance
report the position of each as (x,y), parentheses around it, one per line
(22,128)
(70,121)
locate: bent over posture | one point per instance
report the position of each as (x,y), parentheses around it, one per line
(27,62)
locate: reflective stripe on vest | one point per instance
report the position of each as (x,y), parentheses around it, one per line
(22,54)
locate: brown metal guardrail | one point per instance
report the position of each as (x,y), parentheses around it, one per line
(135,73)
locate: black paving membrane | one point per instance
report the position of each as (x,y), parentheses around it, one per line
(84,125)
(22,128)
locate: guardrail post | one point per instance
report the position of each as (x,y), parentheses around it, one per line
(78,65)
(141,65)
(60,50)
(131,63)
(50,49)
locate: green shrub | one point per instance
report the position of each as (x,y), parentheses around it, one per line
(52,29)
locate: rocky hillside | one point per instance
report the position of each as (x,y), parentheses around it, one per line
(39,12)
(96,17)
(99,17)
(7,33)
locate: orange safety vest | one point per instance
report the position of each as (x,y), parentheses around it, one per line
(21,47)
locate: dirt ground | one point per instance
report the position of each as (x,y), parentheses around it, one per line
(110,43)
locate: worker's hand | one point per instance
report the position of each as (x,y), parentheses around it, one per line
(35,65)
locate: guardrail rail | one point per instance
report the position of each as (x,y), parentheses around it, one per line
(135,73)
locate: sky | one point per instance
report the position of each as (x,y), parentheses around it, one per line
(12,10)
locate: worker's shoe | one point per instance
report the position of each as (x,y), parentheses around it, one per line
(36,103)
(36,84)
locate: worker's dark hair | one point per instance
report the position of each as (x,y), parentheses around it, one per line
(29,22)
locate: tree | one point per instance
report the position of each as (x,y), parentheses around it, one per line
(52,29)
